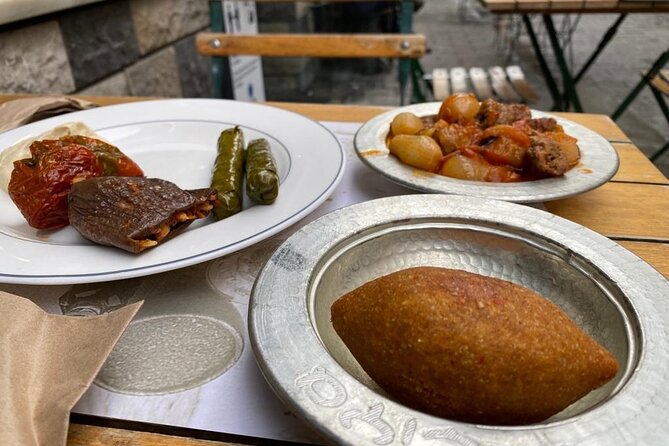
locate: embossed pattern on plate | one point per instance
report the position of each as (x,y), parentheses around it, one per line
(599,162)
(616,297)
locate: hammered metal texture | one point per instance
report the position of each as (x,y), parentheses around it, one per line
(598,163)
(612,294)
(471,248)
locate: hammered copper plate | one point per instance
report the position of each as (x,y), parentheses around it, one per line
(616,297)
(599,162)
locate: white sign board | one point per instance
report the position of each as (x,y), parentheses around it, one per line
(245,71)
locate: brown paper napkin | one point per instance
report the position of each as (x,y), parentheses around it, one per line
(47,361)
(22,111)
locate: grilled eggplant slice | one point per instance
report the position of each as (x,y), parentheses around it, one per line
(134,213)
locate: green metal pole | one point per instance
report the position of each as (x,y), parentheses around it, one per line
(660,152)
(602,44)
(657,66)
(548,76)
(406,25)
(568,81)
(217,62)
(665,110)
(417,79)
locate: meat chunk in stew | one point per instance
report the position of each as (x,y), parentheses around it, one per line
(494,113)
(545,157)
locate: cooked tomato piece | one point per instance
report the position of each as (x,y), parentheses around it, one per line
(518,136)
(502,174)
(112,160)
(504,152)
(469,164)
(39,185)
(39,189)
(504,145)
(455,136)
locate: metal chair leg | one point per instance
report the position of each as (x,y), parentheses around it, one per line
(404,65)
(657,66)
(646,80)
(545,70)
(569,86)
(665,111)
(660,152)
(404,68)
(602,44)
(420,84)
(220,66)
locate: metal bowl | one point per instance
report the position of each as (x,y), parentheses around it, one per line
(609,292)
(598,163)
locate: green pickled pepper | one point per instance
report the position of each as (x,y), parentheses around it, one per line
(262,178)
(228,173)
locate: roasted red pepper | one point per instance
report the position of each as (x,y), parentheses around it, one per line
(39,185)
(111,159)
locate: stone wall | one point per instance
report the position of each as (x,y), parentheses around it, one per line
(147,48)
(113,47)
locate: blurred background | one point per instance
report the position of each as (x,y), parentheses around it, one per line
(147,48)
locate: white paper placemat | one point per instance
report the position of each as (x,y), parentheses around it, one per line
(186,359)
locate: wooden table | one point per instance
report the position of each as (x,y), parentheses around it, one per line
(569,6)
(631,209)
(568,97)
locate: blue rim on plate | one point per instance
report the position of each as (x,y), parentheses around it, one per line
(175,140)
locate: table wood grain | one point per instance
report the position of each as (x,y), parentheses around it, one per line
(630,209)
(573,6)
(82,435)
(620,210)
(412,46)
(636,167)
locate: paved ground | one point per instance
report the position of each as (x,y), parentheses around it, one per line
(469,36)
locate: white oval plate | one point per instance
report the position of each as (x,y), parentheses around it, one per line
(599,162)
(175,140)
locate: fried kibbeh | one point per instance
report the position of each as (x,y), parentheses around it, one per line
(470,348)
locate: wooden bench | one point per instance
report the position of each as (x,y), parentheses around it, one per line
(661,82)
(505,84)
(410,46)
(574,6)
(405,46)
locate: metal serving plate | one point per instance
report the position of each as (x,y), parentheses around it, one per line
(599,162)
(612,294)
